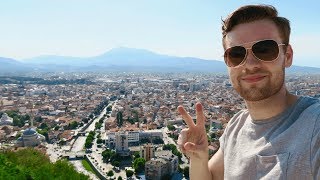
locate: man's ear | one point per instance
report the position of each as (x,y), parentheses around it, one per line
(288,56)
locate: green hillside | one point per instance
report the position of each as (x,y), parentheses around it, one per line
(32,164)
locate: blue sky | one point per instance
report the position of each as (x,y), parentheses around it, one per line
(190,28)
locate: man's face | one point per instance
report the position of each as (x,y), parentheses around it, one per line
(256,80)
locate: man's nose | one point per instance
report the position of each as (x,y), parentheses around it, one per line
(251,61)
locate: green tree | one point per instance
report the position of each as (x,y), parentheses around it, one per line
(119,119)
(99,141)
(101,120)
(73,125)
(107,154)
(85,120)
(44,132)
(56,128)
(173,149)
(43,126)
(138,165)
(110,173)
(116,163)
(119,178)
(129,173)
(109,108)
(171,127)
(136,155)
(98,125)
(38,119)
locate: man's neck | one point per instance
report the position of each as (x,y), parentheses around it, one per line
(271,106)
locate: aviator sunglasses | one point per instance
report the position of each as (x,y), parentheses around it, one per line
(264,50)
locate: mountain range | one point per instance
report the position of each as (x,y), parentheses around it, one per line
(122,59)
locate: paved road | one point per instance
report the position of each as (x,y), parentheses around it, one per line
(168,140)
(92,125)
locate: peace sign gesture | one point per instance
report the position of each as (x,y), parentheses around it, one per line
(193,140)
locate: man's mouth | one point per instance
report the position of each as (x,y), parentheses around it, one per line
(253,78)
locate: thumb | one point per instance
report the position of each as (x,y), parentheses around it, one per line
(191,147)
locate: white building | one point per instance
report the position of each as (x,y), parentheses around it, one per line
(132,136)
(6,120)
(121,143)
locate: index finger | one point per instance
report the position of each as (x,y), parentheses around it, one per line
(186,117)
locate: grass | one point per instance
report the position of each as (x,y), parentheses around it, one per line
(87,166)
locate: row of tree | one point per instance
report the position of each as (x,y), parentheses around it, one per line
(89,139)
(173,149)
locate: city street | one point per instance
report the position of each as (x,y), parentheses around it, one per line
(168,140)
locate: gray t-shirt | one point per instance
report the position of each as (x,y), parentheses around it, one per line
(286,146)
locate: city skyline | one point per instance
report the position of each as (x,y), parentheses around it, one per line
(179,28)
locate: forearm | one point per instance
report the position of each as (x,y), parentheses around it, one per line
(199,169)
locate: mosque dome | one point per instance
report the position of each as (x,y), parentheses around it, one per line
(29,132)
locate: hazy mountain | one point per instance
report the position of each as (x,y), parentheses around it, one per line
(127,59)
(11,66)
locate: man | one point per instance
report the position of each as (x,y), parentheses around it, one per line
(278,135)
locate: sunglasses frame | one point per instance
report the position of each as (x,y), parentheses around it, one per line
(245,57)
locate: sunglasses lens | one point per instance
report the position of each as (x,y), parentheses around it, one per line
(234,55)
(266,50)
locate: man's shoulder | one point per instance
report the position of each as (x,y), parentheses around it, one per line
(239,117)
(312,106)
(311,113)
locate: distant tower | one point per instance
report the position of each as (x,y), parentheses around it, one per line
(31,122)
(32,116)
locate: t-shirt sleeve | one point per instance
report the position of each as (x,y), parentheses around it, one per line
(315,150)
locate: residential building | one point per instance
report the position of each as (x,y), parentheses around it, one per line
(147,151)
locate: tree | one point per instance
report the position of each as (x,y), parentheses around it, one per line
(56,128)
(38,119)
(171,127)
(99,141)
(109,108)
(119,178)
(73,125)
(138,165)
(129,173)
(43,125)
(136,155)
(107,154)
(101,120)
(174,150)
(44,132)
(116,163)
(119,119)
(85,120)
(98,125)
(110,173)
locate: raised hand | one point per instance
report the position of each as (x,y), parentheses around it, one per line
(193,140)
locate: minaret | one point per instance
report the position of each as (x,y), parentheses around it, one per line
(31,122)
(31,118)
